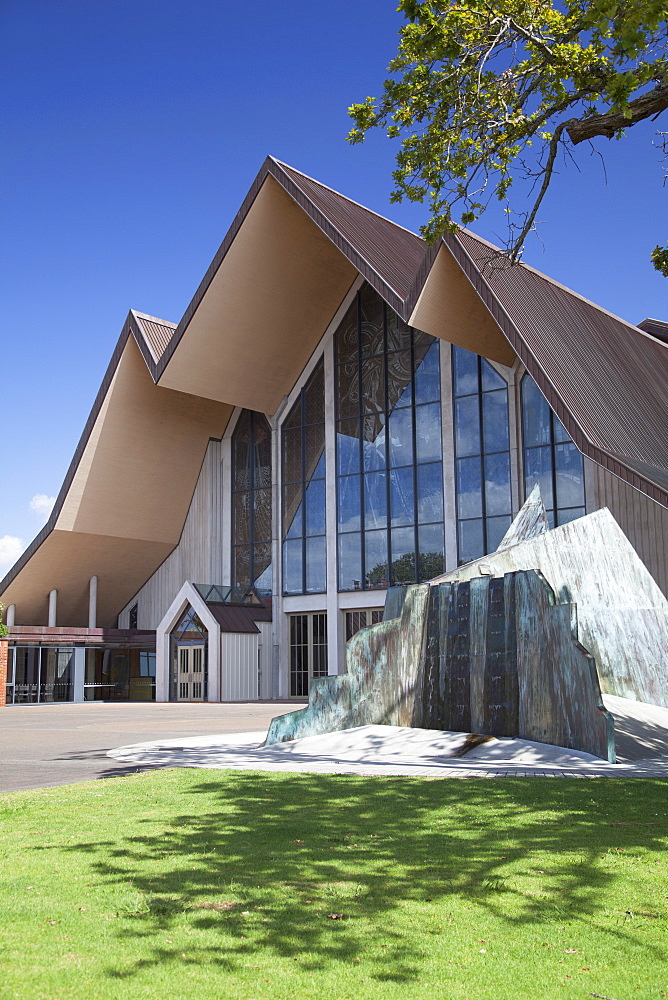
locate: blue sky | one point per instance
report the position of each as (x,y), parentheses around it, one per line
(132,130)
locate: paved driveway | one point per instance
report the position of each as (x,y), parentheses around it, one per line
(46,745)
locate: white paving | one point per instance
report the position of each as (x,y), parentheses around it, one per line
(378,750)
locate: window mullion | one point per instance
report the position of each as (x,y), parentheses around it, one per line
(416,546)
(388,532)
(303,484)
(483,500)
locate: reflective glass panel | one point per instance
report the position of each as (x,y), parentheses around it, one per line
(376,558)
(399,369)
(495,420)
(497,484)
(402,496)
(469,487)
(430,492)
(241,517)
(292,566)
(262,516)
(428,377)
(432,551)
(464,372)
(569,476)
(467,426)
(401,437)
(315,507)
(496,529)
(241,558)
(314,396)
(403,555)
(374,442)
(349,513)
(428,432)
(569,514)
(400,386)
(490,377)
(292,510)
(372,324)
(535,414)
(350,562)
(348,395)
(538,469)
(373,385)
(375,500)
(471,540)
(347,447)
(346,337)
(316,565)
(292,456)
(262,568)
(398,332)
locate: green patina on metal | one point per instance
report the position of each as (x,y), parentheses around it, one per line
(508,645)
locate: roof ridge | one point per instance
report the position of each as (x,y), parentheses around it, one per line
(352,201)
(153,319)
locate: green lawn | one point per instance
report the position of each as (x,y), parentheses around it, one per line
(178,884)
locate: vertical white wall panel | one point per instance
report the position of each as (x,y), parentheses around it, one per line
(239,666)
(266,658)
(199,555)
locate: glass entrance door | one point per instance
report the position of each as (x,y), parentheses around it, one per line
(190,682)
(308,651)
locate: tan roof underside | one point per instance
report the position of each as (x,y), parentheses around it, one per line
(265,310)
(449,308)
(126,505)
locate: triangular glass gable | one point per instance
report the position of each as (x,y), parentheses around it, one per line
(190,627)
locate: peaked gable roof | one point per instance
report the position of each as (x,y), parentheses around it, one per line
(606,380)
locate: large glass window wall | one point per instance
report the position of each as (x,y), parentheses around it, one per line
(389,450)
(116,674)
(251,502)
(550,458)
(303,485)
(39,674)
(482,455)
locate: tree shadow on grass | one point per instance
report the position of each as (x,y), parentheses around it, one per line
(318,868)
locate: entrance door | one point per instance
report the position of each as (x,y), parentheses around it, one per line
(191,673)
(308,651)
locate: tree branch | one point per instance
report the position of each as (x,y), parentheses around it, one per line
(652,103)
(547,176)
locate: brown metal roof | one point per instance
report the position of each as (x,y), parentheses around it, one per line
(157,332)
(606,380)
(233,618)
(393,253)
(657,327)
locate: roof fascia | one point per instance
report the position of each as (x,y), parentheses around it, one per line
(606,459)
(130,327)
(273,168)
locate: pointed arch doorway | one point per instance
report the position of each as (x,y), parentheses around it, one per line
(189,674)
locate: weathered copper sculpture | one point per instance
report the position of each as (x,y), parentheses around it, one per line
(518,643)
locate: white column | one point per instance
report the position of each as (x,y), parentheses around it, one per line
(92,602)
(79,673)
(11,615)
(447,434)
(334,632)
(53,604)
